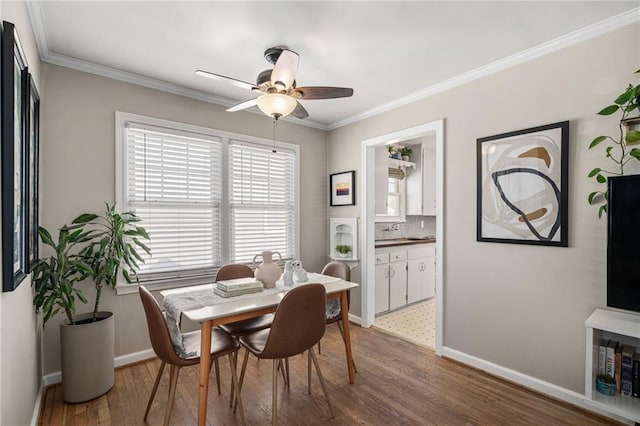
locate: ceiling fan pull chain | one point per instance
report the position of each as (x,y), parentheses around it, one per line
(275,124)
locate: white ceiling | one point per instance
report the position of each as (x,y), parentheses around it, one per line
(388,52)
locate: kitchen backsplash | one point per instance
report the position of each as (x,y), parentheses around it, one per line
(410,228)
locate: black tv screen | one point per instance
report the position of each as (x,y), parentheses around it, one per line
(623,243)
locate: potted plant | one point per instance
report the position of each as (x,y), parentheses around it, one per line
(92,246)
(616,148)
(392,151)
(605,384)
(343,250)
(406,152)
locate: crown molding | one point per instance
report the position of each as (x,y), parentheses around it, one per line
(575,37)
(38,22)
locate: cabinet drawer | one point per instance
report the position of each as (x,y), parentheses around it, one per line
(398,255)
(382,257)
(426,250)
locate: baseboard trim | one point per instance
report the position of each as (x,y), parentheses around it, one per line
(355,319)
(529,382)
(119,361)
(35,416)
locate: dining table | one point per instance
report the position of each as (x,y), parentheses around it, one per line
(201,305)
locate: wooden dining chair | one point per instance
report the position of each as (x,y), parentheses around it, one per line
(343,271)
(221,344)
(298,324)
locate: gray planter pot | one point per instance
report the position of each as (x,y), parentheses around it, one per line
(87,357)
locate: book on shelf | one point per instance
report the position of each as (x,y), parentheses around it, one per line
(238,283)
(610,366)
(635,382)
(618,367)
(602,356)
(626,371)
(223,293)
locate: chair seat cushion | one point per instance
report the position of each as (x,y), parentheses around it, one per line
(255,342)
(221,344)
(248,326)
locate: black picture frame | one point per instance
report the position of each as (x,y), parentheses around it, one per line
(33,175)
(522,186)
(13,131)
(342,189)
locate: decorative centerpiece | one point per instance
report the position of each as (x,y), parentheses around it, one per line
(343,250)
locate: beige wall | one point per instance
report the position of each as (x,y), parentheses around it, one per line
(521,307)
(78,171)
(20,330)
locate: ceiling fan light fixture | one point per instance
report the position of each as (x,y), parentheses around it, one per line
(276,104)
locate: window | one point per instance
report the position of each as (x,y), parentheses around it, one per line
(206,197)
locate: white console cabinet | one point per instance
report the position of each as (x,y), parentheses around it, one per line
(604,324)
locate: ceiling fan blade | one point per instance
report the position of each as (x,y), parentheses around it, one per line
(235,82)
(285,69)
(318,92)
(300,112)
(244,105)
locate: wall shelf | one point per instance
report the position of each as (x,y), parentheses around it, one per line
(344,231)
(401,164)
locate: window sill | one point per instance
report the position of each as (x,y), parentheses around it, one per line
(156,285)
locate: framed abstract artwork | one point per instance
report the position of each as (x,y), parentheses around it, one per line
(342,190)
(32,161)
(522,182)
(14,122)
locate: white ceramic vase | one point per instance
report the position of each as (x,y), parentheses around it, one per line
(268,272)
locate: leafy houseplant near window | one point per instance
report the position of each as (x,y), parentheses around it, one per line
(619,151)
(92,246)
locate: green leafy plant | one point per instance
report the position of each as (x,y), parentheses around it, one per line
(54,277)
(616,149)
(100,247)
(406,151)
(606,379)
(343,248)
(112,250)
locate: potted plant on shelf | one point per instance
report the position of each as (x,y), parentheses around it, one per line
(605,384)
(343,250)
(616,148)
(406,152)
(100,247)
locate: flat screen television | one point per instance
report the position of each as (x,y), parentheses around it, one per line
(623,243)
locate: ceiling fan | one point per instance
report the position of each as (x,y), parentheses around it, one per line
(279,95)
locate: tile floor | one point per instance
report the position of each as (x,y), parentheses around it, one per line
(415,323)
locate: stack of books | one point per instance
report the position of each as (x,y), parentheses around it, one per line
(237,287)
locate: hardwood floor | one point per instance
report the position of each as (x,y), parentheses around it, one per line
(398,383)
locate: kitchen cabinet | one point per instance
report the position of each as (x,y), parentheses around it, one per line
(421,273)
(403,275)
(421,184)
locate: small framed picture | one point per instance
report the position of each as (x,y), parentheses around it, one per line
(342,189)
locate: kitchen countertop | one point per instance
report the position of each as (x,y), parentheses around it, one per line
(403,242)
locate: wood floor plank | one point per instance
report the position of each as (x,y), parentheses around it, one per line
(398,383)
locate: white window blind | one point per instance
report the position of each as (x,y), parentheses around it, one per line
(174,183)
(262,197)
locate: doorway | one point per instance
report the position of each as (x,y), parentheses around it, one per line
(435,129)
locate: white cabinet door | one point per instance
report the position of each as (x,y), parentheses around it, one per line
(382,288)
(429,282)
(397,284)
(415,280)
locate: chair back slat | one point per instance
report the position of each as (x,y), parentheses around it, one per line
(158,330)
(234,271)
(299,322)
